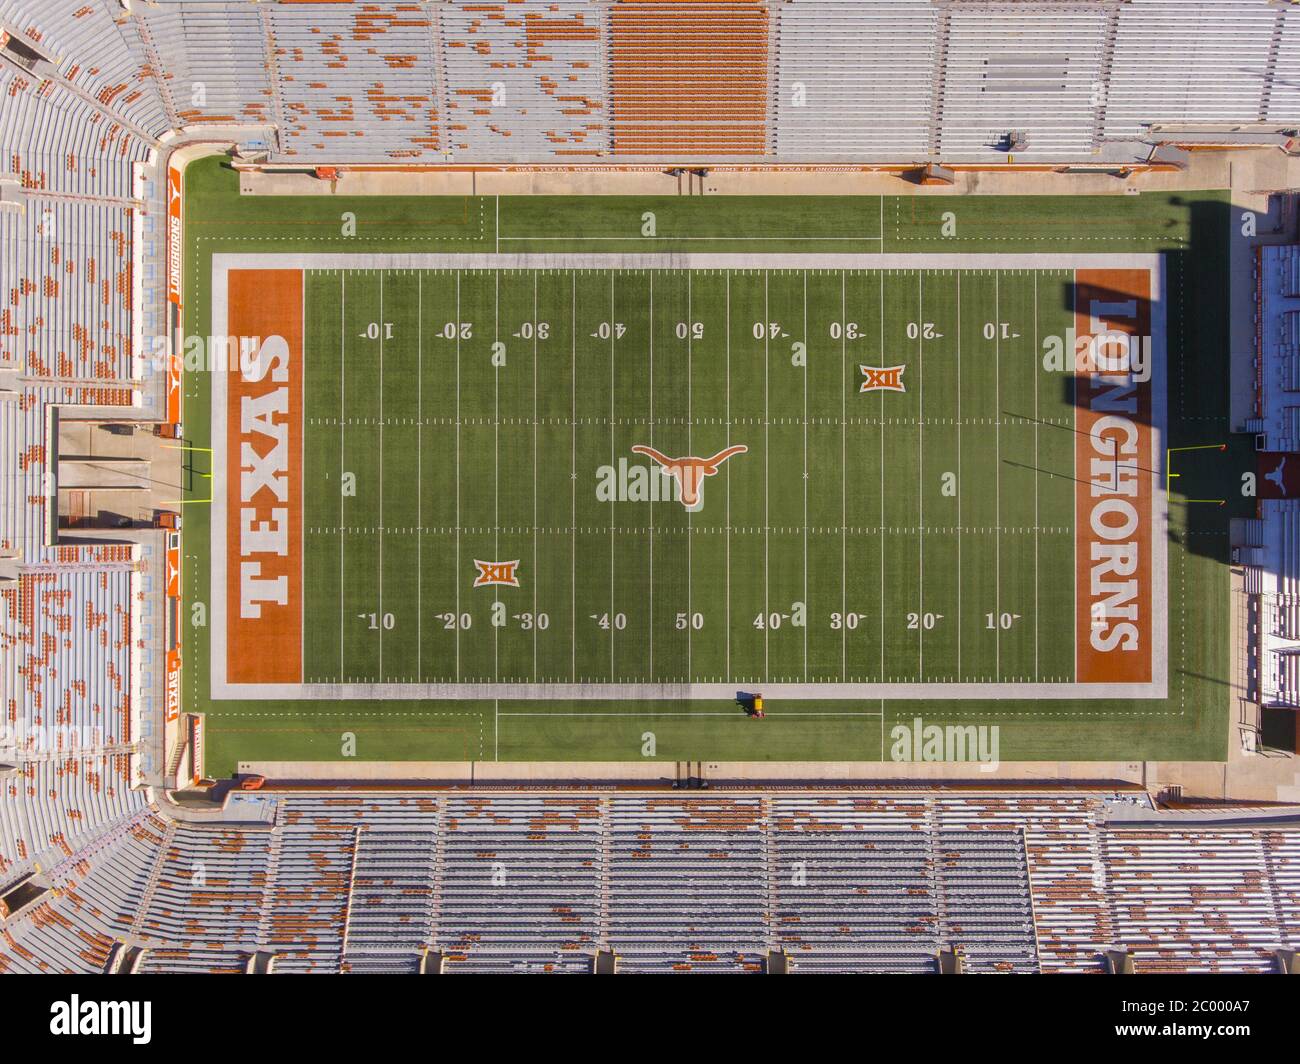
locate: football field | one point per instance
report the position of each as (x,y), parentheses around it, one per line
(672,482)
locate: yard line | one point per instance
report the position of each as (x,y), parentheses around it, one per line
(612,465)
(343,386)
(690,325)
(960,483)
(1074,495)
(920,495)
(844,482)
(767,520)
(496,458)
(882,483)
(456,575)
(381,474)
(997,470)
(805,474)
(419,475)
(1034,378)
(727,404)
(302,482)
(496,223)
(573,475)
(534,473)
(653,473)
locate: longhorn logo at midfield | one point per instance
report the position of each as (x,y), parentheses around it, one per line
(690,472)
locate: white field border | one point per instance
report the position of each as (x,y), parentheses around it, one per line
(1156,689)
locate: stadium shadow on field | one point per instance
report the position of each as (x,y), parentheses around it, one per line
(1205,491)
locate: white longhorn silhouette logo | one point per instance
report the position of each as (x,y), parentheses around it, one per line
(690,472)
(1276,476)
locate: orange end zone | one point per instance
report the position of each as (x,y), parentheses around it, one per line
(263,479)
(1114,468)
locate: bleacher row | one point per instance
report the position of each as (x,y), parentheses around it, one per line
(1189,902)
(511,881)
(557,80)
(538,81)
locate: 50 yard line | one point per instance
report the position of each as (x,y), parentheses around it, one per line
(343,386)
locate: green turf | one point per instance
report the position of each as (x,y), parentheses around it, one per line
(806,562)
(1190,228)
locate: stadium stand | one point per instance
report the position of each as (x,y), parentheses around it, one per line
(353,81)
(524,82)
(213,59)
(689,79)
(539,881)
(847,79)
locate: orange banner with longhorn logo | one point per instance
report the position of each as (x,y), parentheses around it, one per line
(1114,472)
(264,478)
